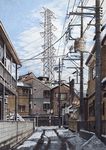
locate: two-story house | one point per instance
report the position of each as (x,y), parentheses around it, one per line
(40,99)
(64,98)
(69,104)
(91,62)
(24,100)
(9,62)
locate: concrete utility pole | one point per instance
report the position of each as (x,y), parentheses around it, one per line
(82,112)
(71,84)
(59,97)
(16,98)
(98,72)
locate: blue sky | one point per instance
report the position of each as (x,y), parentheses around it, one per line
(21,19)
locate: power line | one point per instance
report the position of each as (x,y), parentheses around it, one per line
(43,58)
(102,2)
(73,5)
(45,49)
(92,19)
(64,24)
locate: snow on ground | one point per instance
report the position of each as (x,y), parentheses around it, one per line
(34,136)
(87,131)
(27,144)
(50,133)
(103,135)
(77,141)
(61,131)
(81,144)
(65,132)
(31,141)
(47,127)
(93,144)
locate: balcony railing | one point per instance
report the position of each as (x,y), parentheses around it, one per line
(7,79)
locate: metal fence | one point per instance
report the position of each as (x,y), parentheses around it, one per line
(44,120)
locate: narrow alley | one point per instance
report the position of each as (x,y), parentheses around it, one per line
(54,138)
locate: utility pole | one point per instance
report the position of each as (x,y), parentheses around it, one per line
(81,71)
(98,72)
(16,98)
(59,96)
(71,84)
(79,46)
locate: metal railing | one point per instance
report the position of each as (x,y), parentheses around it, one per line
(4,74)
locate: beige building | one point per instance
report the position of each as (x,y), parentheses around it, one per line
(91,84)
(67,98)
(64,98)
(40,94)
(23,100)
(9,62)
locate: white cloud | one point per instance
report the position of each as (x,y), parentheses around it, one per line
(30,40)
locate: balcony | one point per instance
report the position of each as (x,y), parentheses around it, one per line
(7,80)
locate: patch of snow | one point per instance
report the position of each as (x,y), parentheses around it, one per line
(87,131)
(20,118)
(27,144)
(93,144)
(61,131)
(45,140)
(50,133)
(76,141)
(47,127)
(36,135)
(12,117)
(103,80)
(103,135)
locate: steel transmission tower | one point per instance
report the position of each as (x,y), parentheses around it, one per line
(49,51)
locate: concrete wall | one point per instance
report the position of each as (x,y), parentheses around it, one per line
(13,132)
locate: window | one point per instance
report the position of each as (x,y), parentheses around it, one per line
(56,95)
(104,95)
(21,108)
(63,96)
(25,92)
(1,53)
(14,70)
(92,109)
(8,64)
(93,72)
(46,93)
(103,109)
(46,105)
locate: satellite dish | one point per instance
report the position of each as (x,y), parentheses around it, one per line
(1,52)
